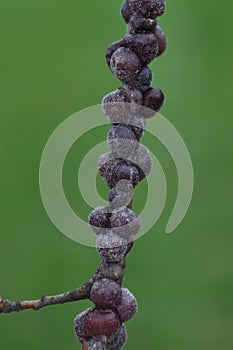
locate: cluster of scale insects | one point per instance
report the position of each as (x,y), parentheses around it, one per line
(102,326)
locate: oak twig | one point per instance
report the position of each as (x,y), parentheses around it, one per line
(81,293)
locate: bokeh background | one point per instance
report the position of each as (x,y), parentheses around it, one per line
(52,65)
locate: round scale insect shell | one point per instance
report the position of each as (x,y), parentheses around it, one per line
(111,247)
(123,148)
(124,187)
(138,125)
(106,294)
(143,161)
(141,25)
(153,101)
(119,198)
(115,200)
(145,46)
(111,49)
(107,172)
(137,121)
(102,323)
(148,8)
(126,11)
(134,94)
(115,107)
(142,80)
(125,64)
(162,41)
(110,240)
(127,172)
(119,340)
(125,223)
(122,141)
(136,98)
(99,219)
(128,306)
(104,158)
(120,131)
(79,325)
(108,169)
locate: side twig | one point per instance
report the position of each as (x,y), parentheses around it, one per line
(81,293)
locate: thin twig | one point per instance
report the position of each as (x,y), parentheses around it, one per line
(81,293)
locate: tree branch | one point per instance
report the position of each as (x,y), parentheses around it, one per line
(81,293)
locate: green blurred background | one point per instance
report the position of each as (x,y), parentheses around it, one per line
(52,65)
